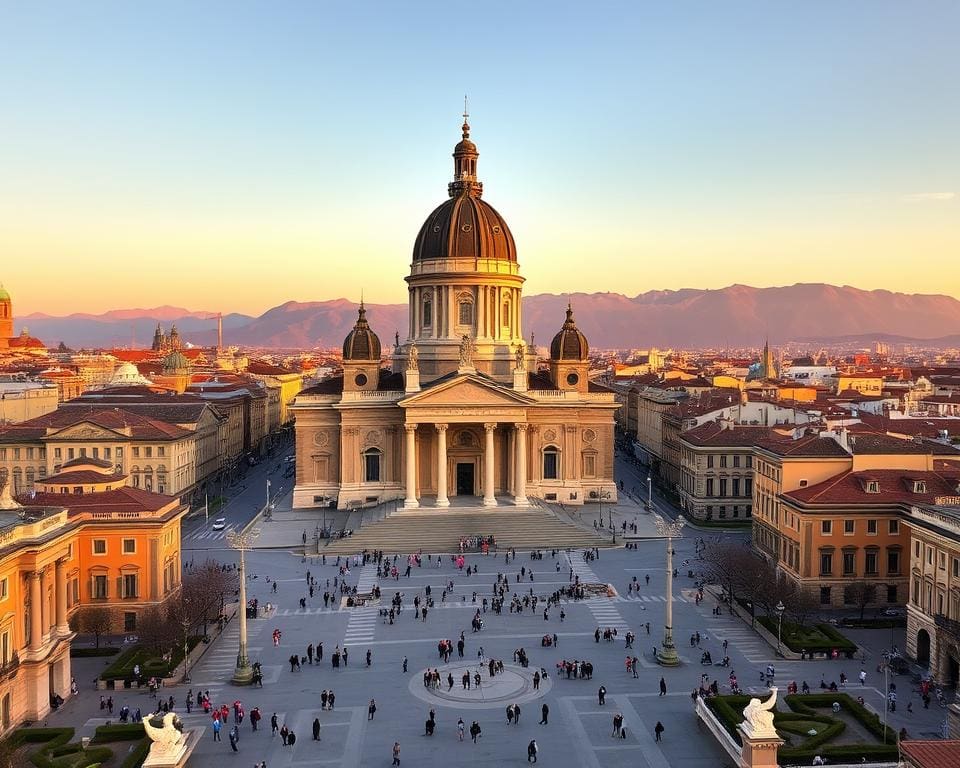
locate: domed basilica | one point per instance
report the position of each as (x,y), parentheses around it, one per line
(462,413)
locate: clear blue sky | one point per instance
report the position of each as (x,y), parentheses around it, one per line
(232,155)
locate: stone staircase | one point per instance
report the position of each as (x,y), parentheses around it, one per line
(434,530)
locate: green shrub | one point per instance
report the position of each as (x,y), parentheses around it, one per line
(82,653)
(137,755)
(118,732)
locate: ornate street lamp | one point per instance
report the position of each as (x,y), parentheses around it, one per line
(667,655)
(649,494)
(243,674)
(779,608)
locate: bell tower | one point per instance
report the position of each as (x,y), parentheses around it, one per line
(6,318)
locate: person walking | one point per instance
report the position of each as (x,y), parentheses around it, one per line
(544,714)
(284,734)
(475,731)
(532,750)
(460,728)
(602,695)
(371,709)
(316,729)
(658,731)
(274,725)
(663,687)
(234,738)
(216,729)
(396,753)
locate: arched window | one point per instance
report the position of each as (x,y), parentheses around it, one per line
(427,313)
(551,463)
(371,465)
(465,312)
(17,480)
(135,476)
(506,313)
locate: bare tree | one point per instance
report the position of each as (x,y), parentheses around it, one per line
(94,620)
(729,564)
(860,594)
(800,604)
(155,630)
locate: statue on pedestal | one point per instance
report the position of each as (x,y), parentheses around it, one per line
(412,355)
(467,348)
(520,356)
(168,739)
(759,718)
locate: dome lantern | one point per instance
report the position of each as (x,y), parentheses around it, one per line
(361,343)
(569,344)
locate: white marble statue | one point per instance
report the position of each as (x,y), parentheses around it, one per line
(520,356)
(168,739)
(759,717)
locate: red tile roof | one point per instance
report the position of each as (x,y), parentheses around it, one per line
(807,445)
(895,487)
(124,499)
(82,477)
(260,368)
(715,434)
(940,753)
(141,427)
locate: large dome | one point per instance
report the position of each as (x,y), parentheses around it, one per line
(361,343)
(465,227)
(569,344)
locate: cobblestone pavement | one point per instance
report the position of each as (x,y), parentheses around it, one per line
(578,732)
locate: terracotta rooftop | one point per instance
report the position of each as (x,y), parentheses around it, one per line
(266,369)
(875,443)
(912,427)
(896,486)
(940,753)
(807,445)
(706,402)
(87,461)
(126,499)
(82,477)
(715,434)
(141,427)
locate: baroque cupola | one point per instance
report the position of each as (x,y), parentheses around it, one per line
(361,355)
(569,354)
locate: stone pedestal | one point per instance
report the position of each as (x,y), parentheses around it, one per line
(179,758)
(758,751)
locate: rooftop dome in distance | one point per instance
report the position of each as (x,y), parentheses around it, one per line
(175,362)
(465,227)
(361,343)
(4,296)
(127,375)
(569,343)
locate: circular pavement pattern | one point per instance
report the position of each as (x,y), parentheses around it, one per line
(512,686)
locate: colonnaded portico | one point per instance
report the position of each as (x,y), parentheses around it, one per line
(463,408)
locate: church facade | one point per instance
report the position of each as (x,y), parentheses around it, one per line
(462,413)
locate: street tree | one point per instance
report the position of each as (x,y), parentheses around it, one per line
(94,620)
(860,594)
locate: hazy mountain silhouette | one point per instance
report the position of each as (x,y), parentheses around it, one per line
(738,315)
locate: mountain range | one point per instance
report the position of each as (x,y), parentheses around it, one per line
(738,315)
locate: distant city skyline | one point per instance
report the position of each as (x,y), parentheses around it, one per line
(225,157)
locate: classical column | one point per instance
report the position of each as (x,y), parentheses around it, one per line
(411,466)
(60,587)
(489,498)
(442,500)
(36,620)
(44,602)
(520,481)
(481,314)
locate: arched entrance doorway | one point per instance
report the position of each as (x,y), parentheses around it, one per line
(923,648)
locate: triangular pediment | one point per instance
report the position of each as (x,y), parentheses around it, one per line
(466,390)
(85,431)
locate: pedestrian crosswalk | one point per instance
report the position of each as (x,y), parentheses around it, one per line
(306,612)
(646,599)
(581,569)
(361,627)
(367,579)
(606,614)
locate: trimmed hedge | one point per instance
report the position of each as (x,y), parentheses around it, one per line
(137,756)
(891,622)
(151,665)
(811,640)
(729,709)
(83,653)
(56,751)
(118,732)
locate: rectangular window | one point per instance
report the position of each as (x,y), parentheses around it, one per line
(826,563)
(5,648)
(871,527)
(849,563)
(723,462)
(589,465)
(550,466)
(709,486)
(106,454)
(129,546)
(826,527)
(735,483)
(736,461)
(99,546)
(96,453)
(70,454)
(161,451)
(824,595)
(748,488)
(4,589)
(891,593)
(709,461)
(130,585)
(871,564)
(723,486)
(848,527)
(956,568)
(465,313)
(148,452)
(29,453)
(100,587)
(749,462)
(83,453)
(942,561)
(893,527)
(371,465)
(119,454)
(129,621)
(723,512)
(893,562)
(136,451)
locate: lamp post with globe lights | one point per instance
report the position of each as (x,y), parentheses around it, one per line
(242,541)
(779,608)
(667,655)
